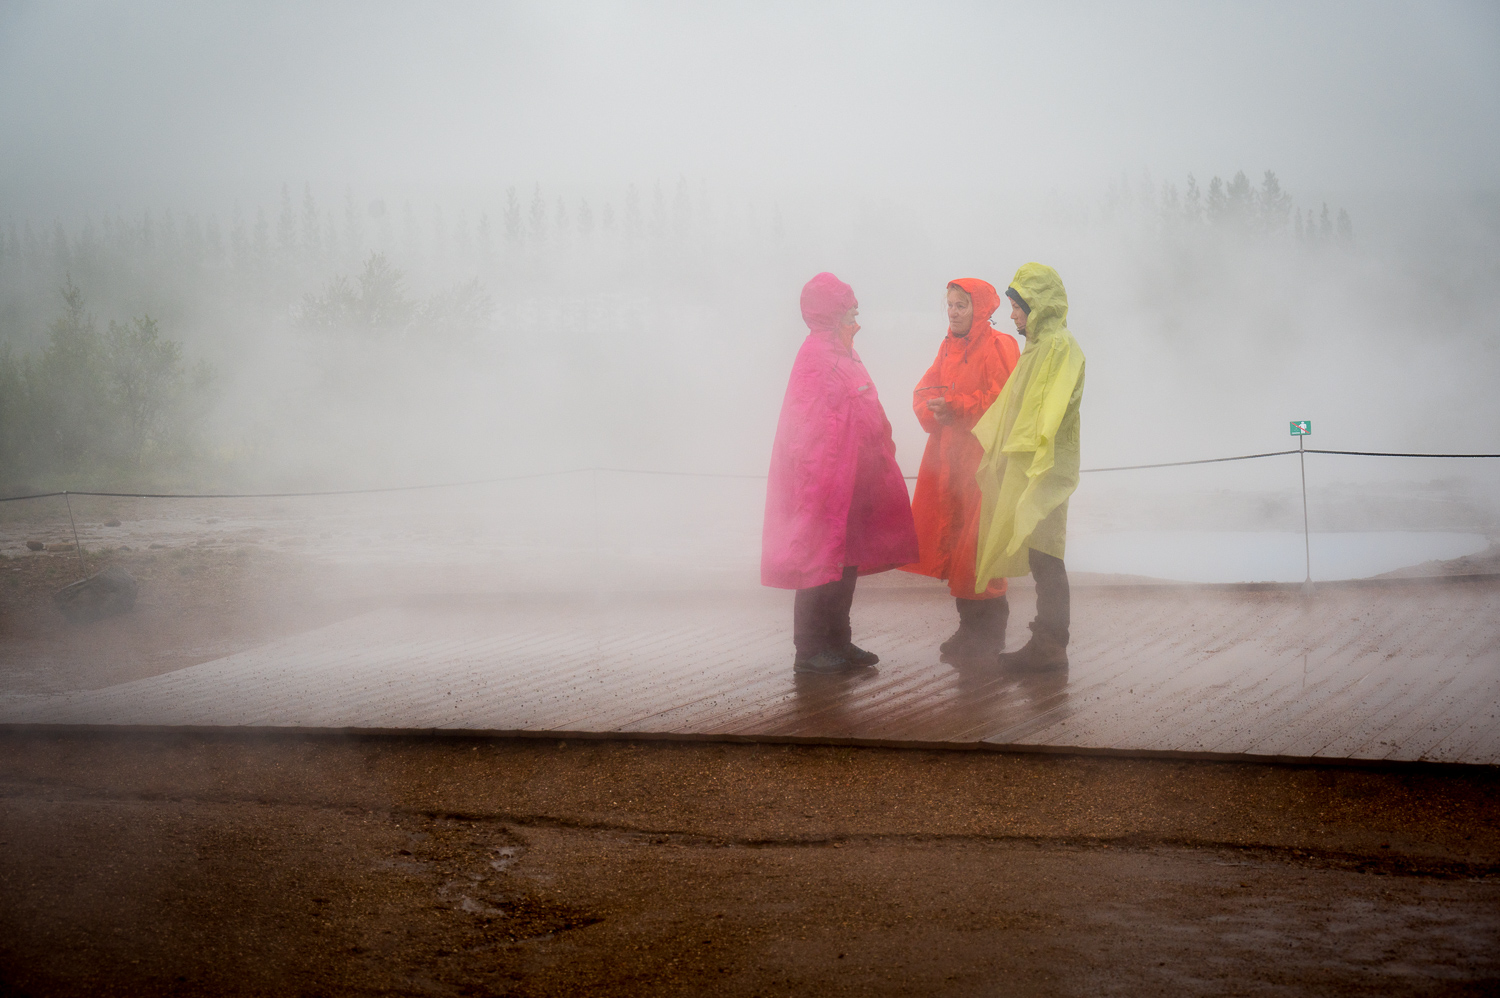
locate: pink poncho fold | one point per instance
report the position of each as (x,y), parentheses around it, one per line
(835,495)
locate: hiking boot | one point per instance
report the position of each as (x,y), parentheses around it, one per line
(824,663)
(858,656)
(980,634)
(994,618)
(960,639)
(1042,653)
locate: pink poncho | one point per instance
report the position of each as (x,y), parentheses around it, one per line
(835,496)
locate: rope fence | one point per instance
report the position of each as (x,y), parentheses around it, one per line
(673,474)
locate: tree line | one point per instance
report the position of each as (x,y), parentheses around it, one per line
(313,234)
(1237,207)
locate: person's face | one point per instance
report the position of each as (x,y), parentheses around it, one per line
(960,312)
(1018,317)
(850,321)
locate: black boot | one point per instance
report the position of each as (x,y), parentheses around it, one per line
(981,631)
(960,638)
(995,618)
(1047,650)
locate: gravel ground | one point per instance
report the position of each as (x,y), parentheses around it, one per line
(243,866)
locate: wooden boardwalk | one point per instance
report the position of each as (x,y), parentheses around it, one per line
(1407,671)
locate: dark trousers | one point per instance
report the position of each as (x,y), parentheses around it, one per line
(1053,602)
(820,615)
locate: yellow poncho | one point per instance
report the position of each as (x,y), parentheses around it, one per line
(1030,437)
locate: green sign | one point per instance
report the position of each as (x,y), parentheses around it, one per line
(1302,428)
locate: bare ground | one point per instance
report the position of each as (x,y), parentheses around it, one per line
(134,864)
(228,866)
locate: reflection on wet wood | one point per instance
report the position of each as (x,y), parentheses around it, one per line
(1398,672)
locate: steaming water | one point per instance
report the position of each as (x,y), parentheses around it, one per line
(1208,556)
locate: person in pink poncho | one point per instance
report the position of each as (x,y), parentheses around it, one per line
(836,504)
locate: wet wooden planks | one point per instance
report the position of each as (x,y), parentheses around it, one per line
(1403,672)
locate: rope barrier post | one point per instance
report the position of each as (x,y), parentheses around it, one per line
(77,545)
(1301,429)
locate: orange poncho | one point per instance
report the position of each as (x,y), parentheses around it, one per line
(969,372)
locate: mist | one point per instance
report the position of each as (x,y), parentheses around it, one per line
(424,245)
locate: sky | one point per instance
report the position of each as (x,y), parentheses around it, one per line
(903,144)
(111,104)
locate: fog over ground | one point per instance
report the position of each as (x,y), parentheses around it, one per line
(428,243)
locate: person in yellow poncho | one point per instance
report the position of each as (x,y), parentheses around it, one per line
(1030,465)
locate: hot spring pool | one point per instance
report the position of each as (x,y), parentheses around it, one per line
(1208,556)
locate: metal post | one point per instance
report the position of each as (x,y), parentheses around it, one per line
(1306,541)
(77,546)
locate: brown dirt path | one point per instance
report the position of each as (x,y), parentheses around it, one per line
(225,866)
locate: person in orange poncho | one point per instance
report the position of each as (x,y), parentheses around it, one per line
(972,365)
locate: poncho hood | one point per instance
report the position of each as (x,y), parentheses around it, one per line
(984,296)
(825,299)
(1042,290)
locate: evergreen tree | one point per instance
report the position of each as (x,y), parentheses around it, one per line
(1192,203)
(538,217)
(14,406)
(168,236)
(286,226)
(85,246)
(1147,191)
(66,384)
(682,210)
(192,237)
(379,305)
(633,221)
(658,214)
(1325,225)
(62,259)
(145,378)
(512,219)
(1218,203)
(1170,210)
(705,210)
(1345,228)
(411,236)
(439,234)
(312,232)
(354,225)
(239,241)
(485,240)
(31,250)
(585,219)
(1273,203)
(262,238)
(462,241)
(1238,200)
